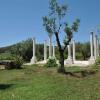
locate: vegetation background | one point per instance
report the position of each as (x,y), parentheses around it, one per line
(24,49)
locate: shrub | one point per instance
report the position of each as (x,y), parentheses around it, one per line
(98,60)
(14,64)
(51,63)
(18,61)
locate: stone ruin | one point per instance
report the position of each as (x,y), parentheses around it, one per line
(71,60)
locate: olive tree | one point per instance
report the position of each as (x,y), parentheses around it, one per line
(55,22)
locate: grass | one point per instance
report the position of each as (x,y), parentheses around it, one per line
(40,83)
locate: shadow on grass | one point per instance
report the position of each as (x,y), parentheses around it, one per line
(81,74)
(5,86)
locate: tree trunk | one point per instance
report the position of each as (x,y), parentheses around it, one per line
(61,68)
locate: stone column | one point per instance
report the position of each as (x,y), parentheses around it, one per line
(98,46)
(54,51)
(73,50)
(92,60)
(69,59)
(69,51)
(50,47)
(33,60)
(45,50)
(91,44)
(95,46)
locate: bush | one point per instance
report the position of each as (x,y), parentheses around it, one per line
(51,63)
(14,64)
(98,60)
(18,62)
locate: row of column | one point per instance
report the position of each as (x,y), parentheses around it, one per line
(94,45)
(70,58)
(51,48)
(33,60)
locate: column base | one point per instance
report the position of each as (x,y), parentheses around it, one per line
(33,60)
(52,57)
(49,57)
(45,60)
(73,60)
(91,60)
(69,60)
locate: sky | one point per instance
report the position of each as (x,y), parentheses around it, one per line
(22,19)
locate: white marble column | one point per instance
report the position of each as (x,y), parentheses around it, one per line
(92,60)
(73,50)
(33,60)
(91,44)
(54,51)
(69,51)
(95,46)
(50,47)
(69,59)
(45,50)
(98,46)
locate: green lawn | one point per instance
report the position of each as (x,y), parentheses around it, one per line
(38,83)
